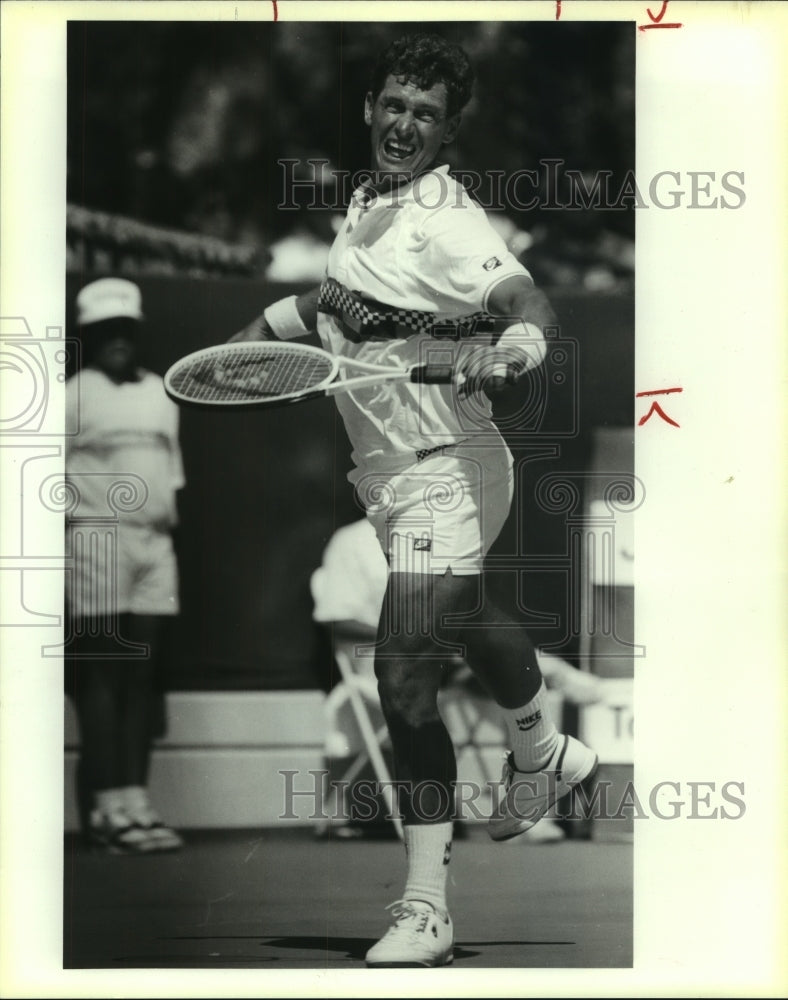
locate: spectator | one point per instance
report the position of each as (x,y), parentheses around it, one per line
(124,467)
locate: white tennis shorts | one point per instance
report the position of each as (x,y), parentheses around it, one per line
(443,512)
(120,569)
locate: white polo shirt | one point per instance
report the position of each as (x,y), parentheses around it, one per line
(427,247)
(131,428)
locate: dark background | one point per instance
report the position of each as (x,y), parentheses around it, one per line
(181,126)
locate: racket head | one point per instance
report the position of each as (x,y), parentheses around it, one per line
(259,373)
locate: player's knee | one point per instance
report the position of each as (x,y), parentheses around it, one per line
(407,702)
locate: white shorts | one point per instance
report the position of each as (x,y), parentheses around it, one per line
(120,569)
(443,512)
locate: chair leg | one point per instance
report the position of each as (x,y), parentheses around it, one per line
(369,736)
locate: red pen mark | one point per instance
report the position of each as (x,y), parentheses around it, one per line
(658,392)
(655,407)
(656,22)
(558,10)
(276,10)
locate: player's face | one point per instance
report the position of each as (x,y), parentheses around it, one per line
(409,126)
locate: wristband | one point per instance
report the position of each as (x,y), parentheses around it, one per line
(522,345)
(284,319)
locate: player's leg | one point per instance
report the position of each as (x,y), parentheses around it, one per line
(501,653)
(418,529)
(409,664)
(504,660)
(543,765)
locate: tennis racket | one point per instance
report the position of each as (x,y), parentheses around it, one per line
(272,373)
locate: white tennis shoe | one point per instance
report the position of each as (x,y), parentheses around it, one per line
(527,795)
(420,936)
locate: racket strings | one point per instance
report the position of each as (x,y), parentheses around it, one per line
(256,373)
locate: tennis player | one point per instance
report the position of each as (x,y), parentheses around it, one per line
(417,274)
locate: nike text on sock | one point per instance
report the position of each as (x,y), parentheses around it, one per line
(532,734)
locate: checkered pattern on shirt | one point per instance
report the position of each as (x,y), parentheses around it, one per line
(370,318)
(422,453)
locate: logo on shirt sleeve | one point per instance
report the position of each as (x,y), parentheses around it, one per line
(491,264)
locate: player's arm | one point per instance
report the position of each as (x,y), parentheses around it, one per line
(525,313)
(518,298)
(286,319)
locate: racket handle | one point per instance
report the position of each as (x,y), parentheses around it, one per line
(433,374)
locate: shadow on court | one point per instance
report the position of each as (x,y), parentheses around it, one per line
(249,899)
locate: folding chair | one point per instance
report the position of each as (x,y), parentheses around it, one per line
(361,693)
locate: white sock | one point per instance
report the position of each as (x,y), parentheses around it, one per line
(532,733)
(110,800)
(137,805)
(429,848)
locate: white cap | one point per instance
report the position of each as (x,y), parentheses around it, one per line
(108,298)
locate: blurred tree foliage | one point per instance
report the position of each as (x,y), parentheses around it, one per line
(182,124)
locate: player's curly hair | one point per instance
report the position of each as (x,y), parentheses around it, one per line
(425,60)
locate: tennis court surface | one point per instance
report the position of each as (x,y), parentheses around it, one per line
(281,899)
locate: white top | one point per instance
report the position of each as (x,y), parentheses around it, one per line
(350,583)
(129,429)
(425,246)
